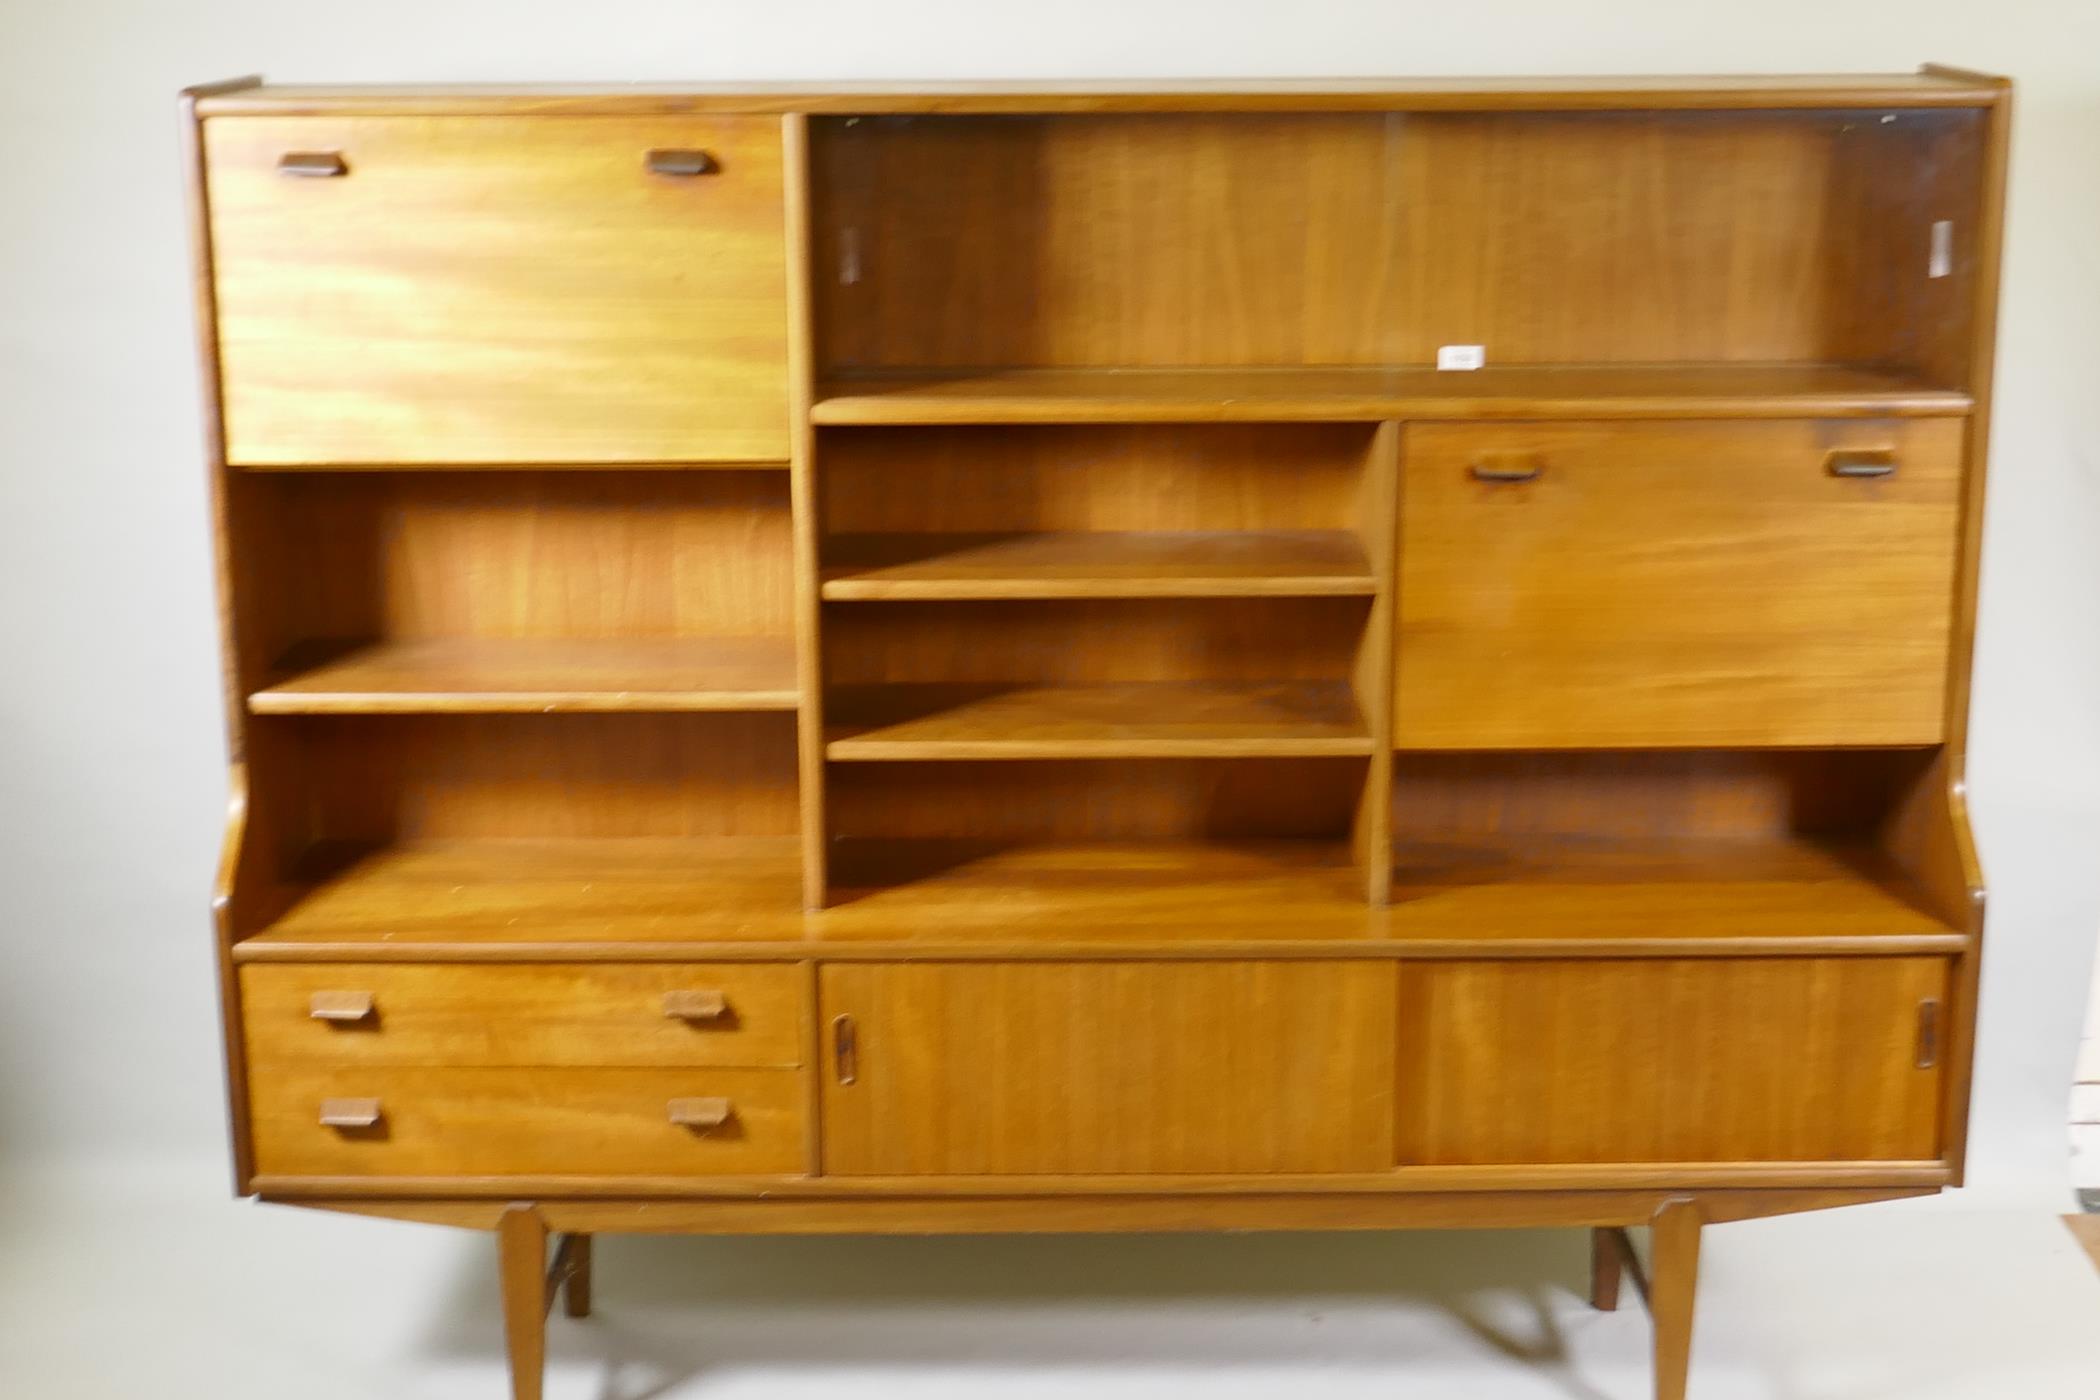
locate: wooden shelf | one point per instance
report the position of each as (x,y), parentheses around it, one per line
(586,898)
(1098,564)
(533,677)
(1284,719)
(1545,887)
(585,891)
(1374,393)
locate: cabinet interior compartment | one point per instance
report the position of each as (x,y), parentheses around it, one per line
(1206,240)
(515,825)
(1675,843)
(516,590)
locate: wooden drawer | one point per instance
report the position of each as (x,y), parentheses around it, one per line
(461,1014)
(1671,1060)
(515,1122)
(1108,1067)
(1675,584)
(498,289)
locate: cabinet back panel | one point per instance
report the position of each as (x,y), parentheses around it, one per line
(1233,477)
(540,555)
(1083,642)
(1632,796)
(1351,239)
(399,778)
(1096,800)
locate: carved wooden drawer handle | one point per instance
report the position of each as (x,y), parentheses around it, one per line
(681,164)
(701,1113)
(1499,467)
(1861,462)
(314,165)
(345,1008)
(349,1113)
(704,1004)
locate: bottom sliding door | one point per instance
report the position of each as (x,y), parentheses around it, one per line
(987,1068)
(1671,1060)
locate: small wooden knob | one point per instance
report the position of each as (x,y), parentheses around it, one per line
(349,1113)
(696,1004)
(701,1113)
(342,1007)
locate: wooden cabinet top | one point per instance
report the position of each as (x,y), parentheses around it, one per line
(1931,86)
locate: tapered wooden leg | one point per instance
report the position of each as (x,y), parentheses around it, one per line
(1672,1285)
(521,1237)
(1605,1270)
(576,1288)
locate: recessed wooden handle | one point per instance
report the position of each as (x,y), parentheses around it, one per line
(313,165)
(1929,1033)
(681,164)
(845,1049)
(349,1113)
(1498,467)
(701,1113)
(1861,462)
(341,1007)
(696,1004)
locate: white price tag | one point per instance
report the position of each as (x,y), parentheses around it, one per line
(1461,356)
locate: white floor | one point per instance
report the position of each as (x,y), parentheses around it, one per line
(153,1284)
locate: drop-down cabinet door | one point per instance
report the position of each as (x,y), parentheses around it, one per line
(1676,584)
(1048,1068)
(490,290)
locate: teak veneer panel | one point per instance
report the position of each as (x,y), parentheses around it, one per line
(1667,585)
(1668,1061)
(499,290)
(528,676)
(601,1014)
(526,1122)
(1103,1067)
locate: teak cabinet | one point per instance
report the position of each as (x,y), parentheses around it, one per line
(946,659)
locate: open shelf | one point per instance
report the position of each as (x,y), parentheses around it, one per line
(488,676)
(1373,393)
(1574,887)
(382,900)
(1167,719)
(1097,564)
(529,890)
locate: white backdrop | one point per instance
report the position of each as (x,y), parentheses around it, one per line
(111,755)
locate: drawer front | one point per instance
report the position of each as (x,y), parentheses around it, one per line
(1670,584)
(1051,1068)
(464,1014)
(1686,1060)
(516,1122)
(498,289)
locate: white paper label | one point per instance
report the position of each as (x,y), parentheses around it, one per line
(1461,356)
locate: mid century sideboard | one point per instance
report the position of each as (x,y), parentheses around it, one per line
(1099,656)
